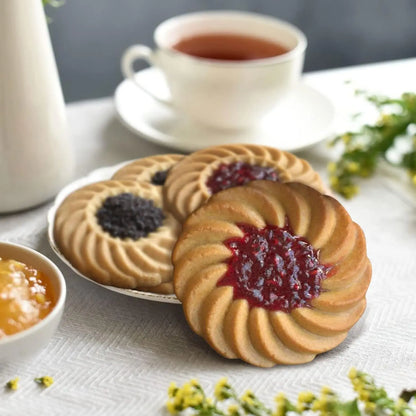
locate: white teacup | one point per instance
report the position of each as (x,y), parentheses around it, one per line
(222,93)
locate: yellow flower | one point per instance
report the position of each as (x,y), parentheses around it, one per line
(219,389)
(178,399)
(13,384)
(281,405)
(332,167)
(233,409)
(281,397)
(317,405)
(350,190)
(364,172)
(305,399)
(194,382)
(247,397)
(346,138)
(352,373)
(172,390)
(326,391)
(170,405)
(193,400)
(334,182)
(370,408)
(363,394)
(385,119)
(353,167)
(187,389)
(46,381)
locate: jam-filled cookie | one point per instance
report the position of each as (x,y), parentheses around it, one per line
(198,176)
(151,169)
(271,273)
(118,233)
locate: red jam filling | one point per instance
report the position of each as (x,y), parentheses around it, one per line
(274,269)
(237,174)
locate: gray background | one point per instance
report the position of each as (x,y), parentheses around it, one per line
(89,36)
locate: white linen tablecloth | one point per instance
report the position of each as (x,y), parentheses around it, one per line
(114,354)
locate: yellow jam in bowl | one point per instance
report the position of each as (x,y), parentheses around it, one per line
(26,296)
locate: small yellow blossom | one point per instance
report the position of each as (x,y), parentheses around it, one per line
(346,138)
(305,399)
(187,389)
(193,400)
(352,373)
(221,385)
(172,390)
(363,394)
(170,405)
(349,190)
(385,119)
(194,382)
(365,172)
(233,409)
(326,391)
(280,398)
(46,381)
(334,181)
(281,405)
(353,167)
(248,397)
(370,407)
(332,167)
(13,384)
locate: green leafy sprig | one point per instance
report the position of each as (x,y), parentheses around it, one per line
(370,400)
(53,3)
(365,148)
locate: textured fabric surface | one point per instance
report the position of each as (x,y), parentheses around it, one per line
(114,354)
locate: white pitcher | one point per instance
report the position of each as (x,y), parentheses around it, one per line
(36,158)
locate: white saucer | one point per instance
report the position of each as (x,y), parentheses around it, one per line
(305,118)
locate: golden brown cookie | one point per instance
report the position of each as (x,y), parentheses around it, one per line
(193,180)
(271,273)
(151,169)
(118,233)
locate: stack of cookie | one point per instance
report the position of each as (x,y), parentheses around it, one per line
(268,268)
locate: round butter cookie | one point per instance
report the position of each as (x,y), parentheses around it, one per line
(151,169)
(271,273)
(203,173)
(118,233)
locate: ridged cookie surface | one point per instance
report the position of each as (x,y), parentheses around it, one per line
(145,169)
(271,273)
(187,184)
(124,261)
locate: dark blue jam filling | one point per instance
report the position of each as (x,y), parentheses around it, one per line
(159,178)
(129,216)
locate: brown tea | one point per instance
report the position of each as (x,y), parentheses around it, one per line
(229,47)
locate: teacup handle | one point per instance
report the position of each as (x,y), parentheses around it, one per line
(130,55)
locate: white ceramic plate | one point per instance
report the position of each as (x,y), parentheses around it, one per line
(305,118)
(97,175)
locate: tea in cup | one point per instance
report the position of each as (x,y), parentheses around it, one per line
(225,69)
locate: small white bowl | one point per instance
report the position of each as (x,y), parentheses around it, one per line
(31,340)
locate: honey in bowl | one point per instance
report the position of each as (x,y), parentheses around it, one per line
(26,296)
